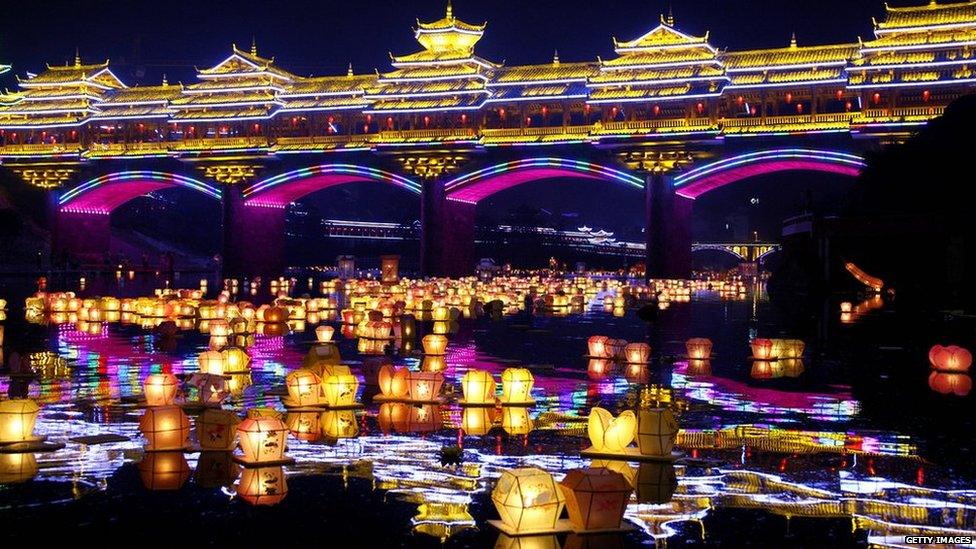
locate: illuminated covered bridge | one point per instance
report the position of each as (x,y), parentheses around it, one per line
(667,114)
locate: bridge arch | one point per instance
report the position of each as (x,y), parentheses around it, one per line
(102,195)
(280,190)
(480,184)
(743,252)
(714,175)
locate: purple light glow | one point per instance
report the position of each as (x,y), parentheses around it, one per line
(105,198)
(725,177)
(484,188)
(282,195)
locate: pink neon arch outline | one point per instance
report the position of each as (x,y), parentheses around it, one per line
(103,195)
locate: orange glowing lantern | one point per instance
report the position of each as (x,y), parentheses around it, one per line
(609,434)
(762,349)
(304,388)
(637,353)
(262,439)
(211,362)
(339,388)
(425,386)
(478,387)
(846,307)
(160,389)
(597,347)
(216,430)
(595,498)
(17,419)
(434,344)
(235,360)
(657,430)
(950,358)
(323,334)
(517,386)
(698,347)
(165,428)
(263,485)
(528,501)
(164,471)
(394,382)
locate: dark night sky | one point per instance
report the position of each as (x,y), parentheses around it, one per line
(145,39)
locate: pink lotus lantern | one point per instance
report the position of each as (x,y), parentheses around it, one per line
(950,358)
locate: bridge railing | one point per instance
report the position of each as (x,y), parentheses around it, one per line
(654,125)
(39,148)
(902,113)
(133,147)
(394,136)
(220,143)
(789,120)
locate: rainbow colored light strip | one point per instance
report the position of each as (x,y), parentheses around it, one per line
(477,185)
(702,179)
(136,183)
(272,192)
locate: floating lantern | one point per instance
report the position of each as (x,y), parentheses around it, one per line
(609,434)
(216,430)
(17,467)
(846,307)
(394,382)
(338,424)
(476,421)
(434,344)
(699,347)
(262,438)
(762,349)
(304,388)
(950,358)
(263,485)
(597,347)
(595,498)
(516,420)
(789,348)
(528,500)
(478,387)
(425,386)
(17,419)
(637,353)
(339,387)
(323,334)
(657,430)
(236,360)
(165,428)
(163,471)
(160,389)
(517,386)
(211,362)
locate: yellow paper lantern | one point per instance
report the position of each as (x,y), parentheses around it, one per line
(528,500)
(211,362)
(262,439)
(394,382)
(160,389)
(637,353)
(517,386)
(216,430)
(263,485)
(304,388)
(478,387)
(17,419)
(163,471)
(165,428)
(338,424)
(608,434)
(595,498)
(699,347)
(657,430)
(339,388)
(434,344)
(323,334)
(236,360)
(762,349)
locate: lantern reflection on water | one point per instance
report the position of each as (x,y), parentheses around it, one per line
(160,389)
(478,387)
(402,417)
(17,467)
(216,430)
(263,485)
(262,438)
(165,428)
(609,434)
(549,541)
(516,420)
(163,471)
(598,368)
(17,419)
(338,424)
(476,421)
(517,386)
(699,367)
(304,425)
(699,347)
(528,501)
(950,383)
(595,498)
(216,469)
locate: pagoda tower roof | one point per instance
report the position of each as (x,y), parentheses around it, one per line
(927,17)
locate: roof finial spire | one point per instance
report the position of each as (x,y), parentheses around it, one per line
(254,46)
(793,40)
(670,15)
(555,57)
(450,10)
(77,57)
(349,71)
(165,80)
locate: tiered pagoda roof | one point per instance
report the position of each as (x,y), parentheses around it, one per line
(663,64)
(330,93)
(4,68)
(554,80)
(789,66)
(928,45)
(61,96)
(446,75)
(244,86)
(142,102)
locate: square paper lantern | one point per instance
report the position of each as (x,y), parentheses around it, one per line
(165,428)
(762,349)
(160,389)
(425,386)
(262,439)
(597,347)
(478,387)
(211,362)
(304,388)
(163,471)
(517,386)
(339,424)
(657,430)
(699,347)
(217,430)
(17,419)
(595,498)
(609,434)
(476,421)
(528,500)
(637,353)
(323,334)
(434,344)
(339,388)
(394,382)
(263,485)
(235,359)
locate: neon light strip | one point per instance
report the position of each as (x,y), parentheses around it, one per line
(536,98)
(788,67)
(911,84)
(332,169)
(909,65)
(189,106)
(605,68)
(198,91)
(358,91)
(127,116)
(661,81)
(452,28)
(435,109)
(474,60)
(652,99)
(398,80)
(175,179)
(317,109)
(778,154)
(535,82)
(926,28)
(785,84)
(921,46)
(383,96)
(226,119)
